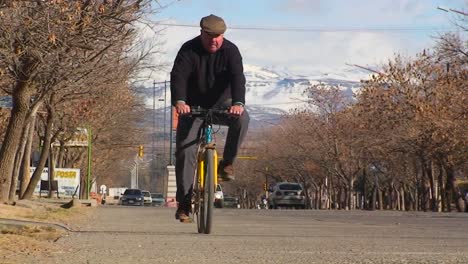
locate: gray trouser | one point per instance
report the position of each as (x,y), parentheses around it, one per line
(188,132)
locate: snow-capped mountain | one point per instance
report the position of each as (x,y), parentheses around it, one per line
(270,92)
(284,90)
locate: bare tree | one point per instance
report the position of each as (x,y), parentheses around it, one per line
(48,46)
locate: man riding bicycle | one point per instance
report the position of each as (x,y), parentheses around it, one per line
(207,72)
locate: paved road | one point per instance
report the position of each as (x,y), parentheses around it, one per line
(151,235)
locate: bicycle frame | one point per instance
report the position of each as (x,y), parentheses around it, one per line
(207,143)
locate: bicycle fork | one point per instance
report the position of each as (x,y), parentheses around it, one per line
(208,144)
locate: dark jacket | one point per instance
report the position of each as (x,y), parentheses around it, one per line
(203,79)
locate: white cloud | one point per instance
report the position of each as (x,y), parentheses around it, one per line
(309,52)
(302,52)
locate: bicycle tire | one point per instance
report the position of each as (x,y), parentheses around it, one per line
(208,191)
(198,204)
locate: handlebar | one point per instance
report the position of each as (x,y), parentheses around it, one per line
(200,111)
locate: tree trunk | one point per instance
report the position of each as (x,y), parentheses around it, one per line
(364,189)
(412,200)
(388,199)
(374,193)
(358,200)
(380,195)
(330,195)
(26,163)
(61,156)
(345,195)
(351,194)
(51,166)
(416,199)
(340,198)
(318,199)
(18,159)
(398,200)
(14,178)
(43,158)
(391,201)
(83,191)
(426,195)
(442,190)
(402,201)
(327,190)
(12,136)
(452,188)
(433,186)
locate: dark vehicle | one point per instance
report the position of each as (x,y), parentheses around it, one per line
(231,202)
(287,194)
(157,199)
(132,197)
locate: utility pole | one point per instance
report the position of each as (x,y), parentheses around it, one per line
(164,130)
(153,136)
(266,183)
(170,137)
(136,172)
(88,175)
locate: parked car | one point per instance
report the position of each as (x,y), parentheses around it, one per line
(132,197)
(287,194)
(219,196)
(231,202)
(157,199)
(147,198)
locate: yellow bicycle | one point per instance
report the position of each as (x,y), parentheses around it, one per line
(206,175)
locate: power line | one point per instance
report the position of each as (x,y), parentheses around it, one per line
(279,103)
(324,29)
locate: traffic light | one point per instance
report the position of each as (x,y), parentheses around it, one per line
(265,186)
(140,151)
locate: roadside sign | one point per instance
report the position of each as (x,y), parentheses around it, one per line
(68,180)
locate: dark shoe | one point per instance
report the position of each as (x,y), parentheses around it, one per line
(225,172)
(183,216)
(183,212)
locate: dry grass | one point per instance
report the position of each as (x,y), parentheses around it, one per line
(40,233)
(17,249)
(35,240)
(43,211)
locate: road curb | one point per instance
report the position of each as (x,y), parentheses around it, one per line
(8,221)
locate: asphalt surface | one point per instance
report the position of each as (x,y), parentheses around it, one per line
(119,234)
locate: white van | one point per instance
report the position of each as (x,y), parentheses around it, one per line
(219,196)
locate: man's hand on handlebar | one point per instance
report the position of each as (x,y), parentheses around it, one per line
(236,110)
(182,108)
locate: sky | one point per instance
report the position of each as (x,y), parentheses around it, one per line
(310,36)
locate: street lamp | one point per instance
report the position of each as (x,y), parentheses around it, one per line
(266,187)
(134,174)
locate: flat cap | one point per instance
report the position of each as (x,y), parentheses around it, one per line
(213,24)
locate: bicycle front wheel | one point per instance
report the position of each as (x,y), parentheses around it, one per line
(208,191)
(198,209)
